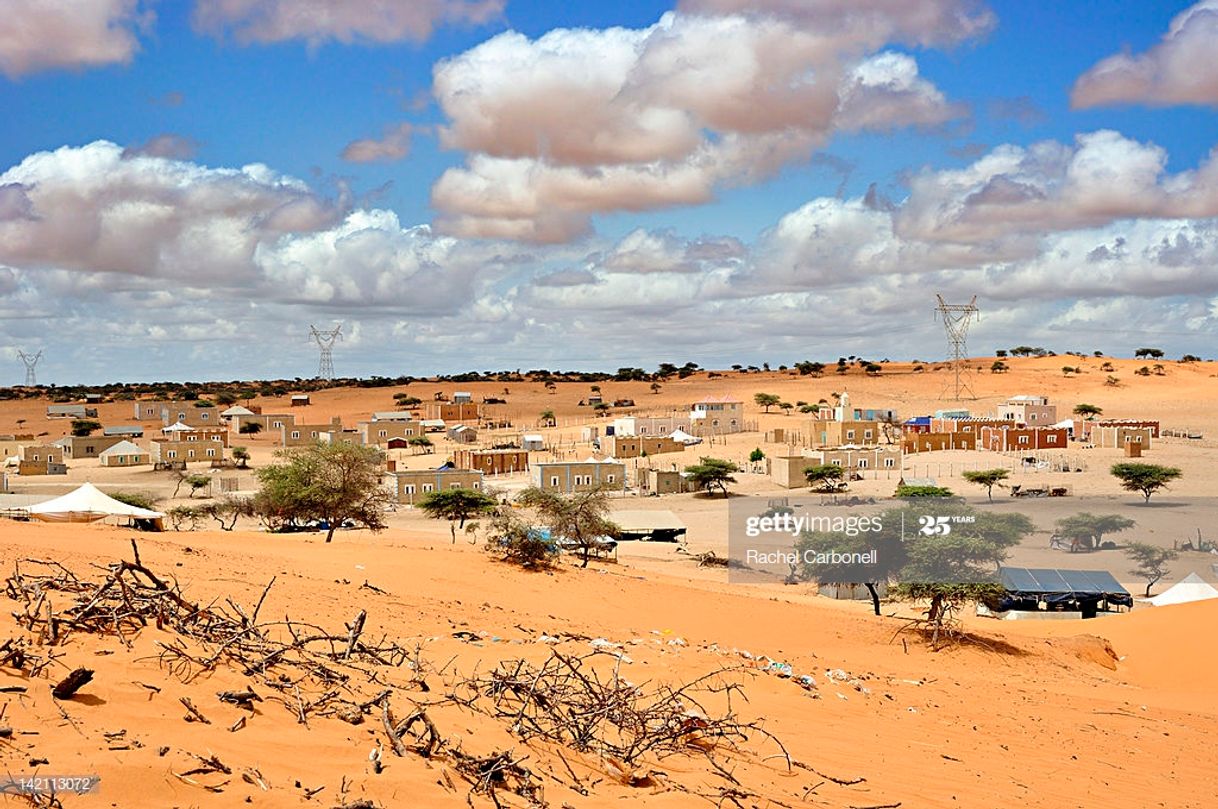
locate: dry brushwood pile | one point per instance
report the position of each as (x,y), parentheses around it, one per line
(565,723)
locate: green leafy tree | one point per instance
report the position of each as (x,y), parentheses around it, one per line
(85,427)
(1150,562)
(786,408)
(1146,478)
(457,506)
(250,428)
(516,541)
(712,473)
(999,367)
(1087,411)
(907,491)
(136,499)
(1088,530)
(421,443)
(333,483)
(581,519)
(547,418)
(989,478)
(756,456)
(242,456)
(825,477)
(767,400)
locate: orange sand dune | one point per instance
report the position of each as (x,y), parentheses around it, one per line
(1037,716)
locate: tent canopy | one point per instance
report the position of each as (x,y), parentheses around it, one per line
(683,437)
(1191,588)
(88,504)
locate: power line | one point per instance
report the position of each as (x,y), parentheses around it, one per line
(325,339)
(957,317)
(31,361)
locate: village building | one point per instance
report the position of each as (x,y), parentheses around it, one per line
(1029,411)
(492,461)
(299,400)
(381,433)
(450,412)
(836,433)
(971,424)
(663,481)
(1019,439)
(124,431)
(533,442)
(12,444)
(190,414)
(463,434)
(41,459)
(125,453)
(267,422)
(392,415)
(938,442)
(304,435)
(716,416)
(228,414)
(1083,427)
(1116,436)
(169,452)
(570,477)
(77,447)
(788,471)
(638,446)
(415,484)
(71,411)
(648,425)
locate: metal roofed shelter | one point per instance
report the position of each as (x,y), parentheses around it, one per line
(1062,590)
(648,526)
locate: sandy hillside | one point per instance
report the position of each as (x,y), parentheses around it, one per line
(1037,716)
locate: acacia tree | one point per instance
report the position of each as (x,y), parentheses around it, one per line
(580,519)
(1150,562)
(712,473)
(456,506)
(767,400)
(1087,411)
(333,483)
(1146,478)
(989,478)
(1089,529)
(825,477)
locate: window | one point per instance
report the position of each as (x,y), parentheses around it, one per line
(211,453)
(1052,439)
(867,434)
(296,433)
(454,485)
(888,462)
(383,433)
(1023,439)
(610,478)
(173,453)
(862,463)
(554,481)
(850,434)
(427,487)
(408,488)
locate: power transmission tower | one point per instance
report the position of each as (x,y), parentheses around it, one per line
(957,317)
(31,361)
(325,339)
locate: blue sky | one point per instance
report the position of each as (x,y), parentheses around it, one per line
(528,232)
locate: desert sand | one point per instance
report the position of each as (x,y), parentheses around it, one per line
(1121,709)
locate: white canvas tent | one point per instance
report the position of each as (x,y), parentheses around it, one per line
(683,437)
(1191,588)
(90,504)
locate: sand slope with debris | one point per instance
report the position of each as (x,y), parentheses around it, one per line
(1036,718)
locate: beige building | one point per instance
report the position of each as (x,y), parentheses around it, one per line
(186,413)
(492,461)
(267,422)
(381,433)
(146,410)
(650,425)
(663,481)
(41,459)
(967,425)
(71,412)
(568,477)
(125,453)
(1116,436)
(462,434)
(716,416)
(90,446)
(788,471)
(186,451)
(304,435)
(837,433)
(1029,411)
(637,446)
(414,485)
(12,444)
